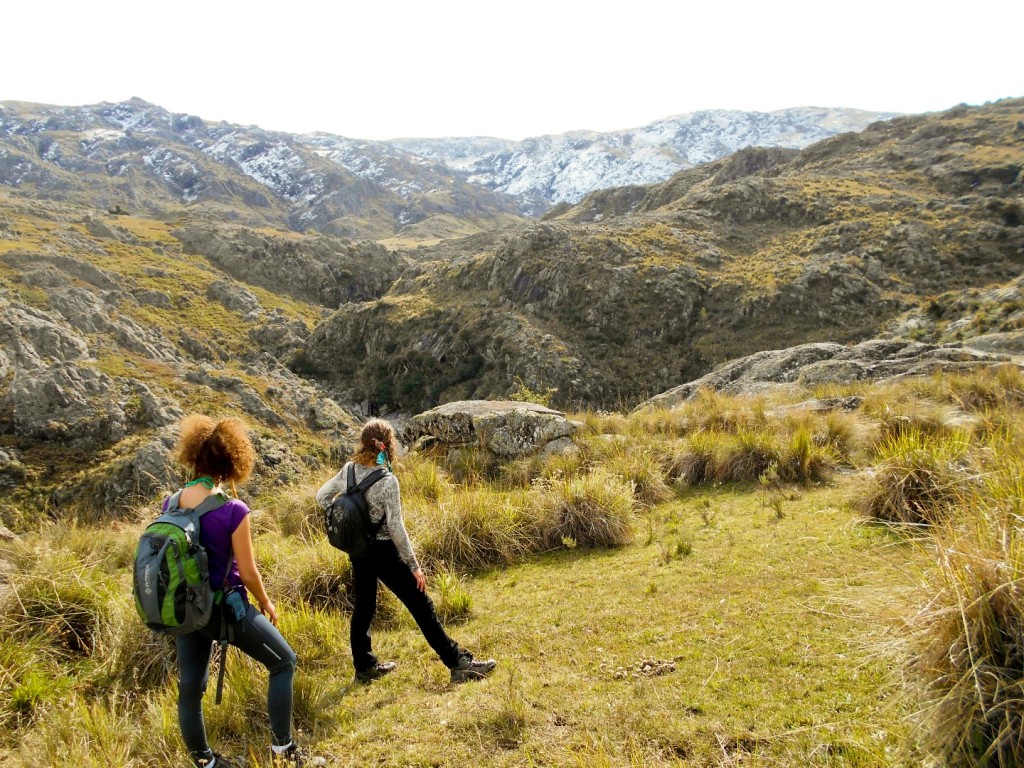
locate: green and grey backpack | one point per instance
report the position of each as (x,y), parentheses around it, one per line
(172,573)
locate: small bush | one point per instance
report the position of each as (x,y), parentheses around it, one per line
(747,455)
(971,657)
(593,510)
(475,529)
(453,602)
(696,463)
(919,479)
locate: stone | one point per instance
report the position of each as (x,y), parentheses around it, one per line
(508,429)
(813,364)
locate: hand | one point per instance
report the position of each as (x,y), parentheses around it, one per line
(268,610)
(421,580)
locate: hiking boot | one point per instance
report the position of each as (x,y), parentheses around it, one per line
(295,757)
(469,668)
(375,672)
(218,761)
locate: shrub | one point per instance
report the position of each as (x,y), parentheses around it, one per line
(971,657)
(696,464)
(643,471)
(593,510)
(454,604)
(747,456)
(919,479)
(475,529)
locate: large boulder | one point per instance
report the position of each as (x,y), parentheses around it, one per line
(508,429)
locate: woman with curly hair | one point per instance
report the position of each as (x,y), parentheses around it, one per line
(216,452)
(392,561)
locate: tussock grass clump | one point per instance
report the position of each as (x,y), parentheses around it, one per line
(841,433)
(971,655)
(292,512)
(421,477)
(919,479)
(644,471)
(660,422)
(454,604)
(715,411)
(475,529)
(747,455)
(134,659)
(897,411)
(602,423)
(697,461)
(66,607)
(593,510)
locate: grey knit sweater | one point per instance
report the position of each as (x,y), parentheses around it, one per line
(384,500)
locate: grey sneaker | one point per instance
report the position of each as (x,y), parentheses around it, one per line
(471,669)
(375,672)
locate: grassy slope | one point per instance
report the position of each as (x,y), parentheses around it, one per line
(775,627)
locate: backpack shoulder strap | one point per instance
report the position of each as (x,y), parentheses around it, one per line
(370,479)
(210,503)
(172,503)
(351,477)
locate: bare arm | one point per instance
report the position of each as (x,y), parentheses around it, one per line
(241,545)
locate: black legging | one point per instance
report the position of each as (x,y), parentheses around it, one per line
(384,563)
(256,637)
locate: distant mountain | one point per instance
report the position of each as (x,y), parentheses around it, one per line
(637,289)
(566,167)
(139,157)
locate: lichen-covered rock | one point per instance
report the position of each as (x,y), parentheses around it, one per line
(814,364)
(232,295)
(505,428)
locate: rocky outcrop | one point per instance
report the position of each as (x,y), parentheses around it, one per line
(322,270)
(507,429)
(824,363)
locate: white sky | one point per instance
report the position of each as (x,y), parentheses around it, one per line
(381,69)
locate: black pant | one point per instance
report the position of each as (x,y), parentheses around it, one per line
(255,636)
(384,563)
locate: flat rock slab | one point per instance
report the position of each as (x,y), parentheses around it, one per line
(506,428)
(829,363)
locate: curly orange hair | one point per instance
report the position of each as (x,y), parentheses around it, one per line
(376,433)
(220,449)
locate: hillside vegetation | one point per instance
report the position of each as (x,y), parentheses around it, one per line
(636,290)
(701,586)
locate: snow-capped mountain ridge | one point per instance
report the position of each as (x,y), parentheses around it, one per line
(565,167)
(323,180)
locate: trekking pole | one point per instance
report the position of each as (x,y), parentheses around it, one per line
(223,666)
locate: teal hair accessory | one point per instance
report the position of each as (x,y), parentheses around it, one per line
(382,458)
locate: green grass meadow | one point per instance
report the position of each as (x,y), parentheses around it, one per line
(736,582)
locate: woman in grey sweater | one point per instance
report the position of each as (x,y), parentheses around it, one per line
(392,561)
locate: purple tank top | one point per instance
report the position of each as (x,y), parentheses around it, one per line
(215,531)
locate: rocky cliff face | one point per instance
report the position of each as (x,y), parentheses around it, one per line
(110,330)
(634,290)
(113,324)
